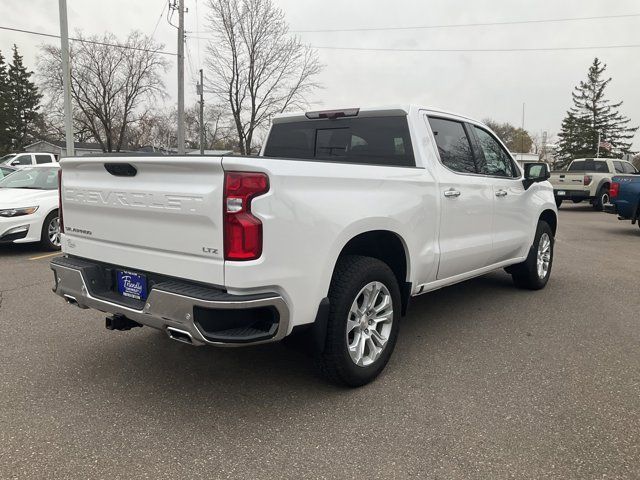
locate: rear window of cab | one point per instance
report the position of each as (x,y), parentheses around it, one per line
(362,140)
(588,166)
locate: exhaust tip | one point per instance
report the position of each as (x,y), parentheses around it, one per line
(179,335)
(71,300)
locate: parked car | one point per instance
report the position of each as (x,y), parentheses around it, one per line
(588,179)
(21,160)
(29,206)
(343,218)
(625,198)
(6,170)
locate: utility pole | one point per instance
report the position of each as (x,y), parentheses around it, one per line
(66,77)
(522,132)
(181,149)
(598,147)
(200,89)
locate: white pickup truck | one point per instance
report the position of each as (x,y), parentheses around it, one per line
(343,217)
(588,179)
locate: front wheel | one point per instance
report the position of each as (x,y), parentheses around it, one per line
(50,236)
(363,321)
(534,272)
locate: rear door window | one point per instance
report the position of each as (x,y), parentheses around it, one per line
(43,159)
(365,140)
(618,166)
(454,145)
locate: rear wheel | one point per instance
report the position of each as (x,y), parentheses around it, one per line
(363,321)
(50,236)
(534,272)
(577,200)
(601,199)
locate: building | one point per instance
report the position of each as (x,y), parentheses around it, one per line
(522,158)
(60,148)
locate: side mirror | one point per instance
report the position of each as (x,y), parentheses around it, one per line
(534,173)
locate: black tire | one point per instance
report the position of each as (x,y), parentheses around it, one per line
(558,202)
(351,275)
(577,200)
(601,199)
(45,241)
(525,274)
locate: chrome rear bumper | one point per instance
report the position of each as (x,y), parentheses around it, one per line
(170,306)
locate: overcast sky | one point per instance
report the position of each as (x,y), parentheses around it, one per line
(477,84)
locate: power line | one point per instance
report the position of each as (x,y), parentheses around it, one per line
(189,60)
(198,38)
(459,25)
(164,5)
(535,49)
(92,42)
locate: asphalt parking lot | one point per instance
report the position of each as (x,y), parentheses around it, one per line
(486,382)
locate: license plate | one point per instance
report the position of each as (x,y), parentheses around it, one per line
(561,193)
(131,284)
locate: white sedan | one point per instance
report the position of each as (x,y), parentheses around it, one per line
(29,207)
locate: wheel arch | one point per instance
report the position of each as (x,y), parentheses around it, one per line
(604,182)
(386,246)
(550,217)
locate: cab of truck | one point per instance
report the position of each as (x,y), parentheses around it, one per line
(27,159)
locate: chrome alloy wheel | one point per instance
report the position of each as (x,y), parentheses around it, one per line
(544,255)
(369,323)
(53,231)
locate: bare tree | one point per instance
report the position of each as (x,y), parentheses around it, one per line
(158,129)
(108,84)
(257,68)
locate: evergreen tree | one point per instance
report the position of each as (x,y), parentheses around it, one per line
(23,103)
(5,142)
(591,117)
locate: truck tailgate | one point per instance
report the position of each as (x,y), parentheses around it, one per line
(568,181)
(156,214)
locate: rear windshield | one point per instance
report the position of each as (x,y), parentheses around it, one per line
(368,140)
(588,166)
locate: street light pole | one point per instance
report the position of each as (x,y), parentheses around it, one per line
(181,147)
(66,77)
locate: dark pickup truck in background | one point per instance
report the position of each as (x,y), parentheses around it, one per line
(624,195)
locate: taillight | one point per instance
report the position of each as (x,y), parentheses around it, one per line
(587,179)
(614,190)
(242,230)
(60,201)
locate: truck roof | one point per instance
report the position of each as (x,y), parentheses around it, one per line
(388,110)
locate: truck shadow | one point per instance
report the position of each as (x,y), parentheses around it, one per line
(21,248)
(579,207)
(148,366)
(628,231)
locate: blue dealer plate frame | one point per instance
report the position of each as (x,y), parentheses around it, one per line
(131,284)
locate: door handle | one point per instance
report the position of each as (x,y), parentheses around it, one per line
(452,192)
(501,193)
